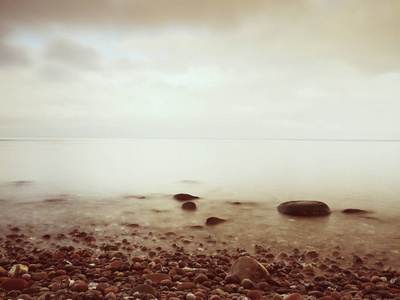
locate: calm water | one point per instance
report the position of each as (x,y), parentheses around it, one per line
(341,173)
(118,181)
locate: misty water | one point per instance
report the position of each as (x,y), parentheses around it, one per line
(54,183)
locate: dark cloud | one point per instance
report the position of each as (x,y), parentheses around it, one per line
(71,54)
(12,56)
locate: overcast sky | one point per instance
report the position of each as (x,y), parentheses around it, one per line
(200,69)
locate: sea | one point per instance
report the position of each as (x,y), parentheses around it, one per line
(72,182)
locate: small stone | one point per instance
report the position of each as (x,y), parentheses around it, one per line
(200,278)
(18,270)
(3,272)
(232,278)
(145,289)
(254,294)
(189,206)
(14,284)
(185,197)
(112,289)
(190,296)
(185,286)
(80,287)
(248,284)
(304,208)
(214,221)
(294,296)
(167,282)
(247,267)
(39,276)
(157,277)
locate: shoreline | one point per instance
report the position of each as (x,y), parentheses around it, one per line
(107,261)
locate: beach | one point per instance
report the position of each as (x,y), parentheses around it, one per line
(97,219)
(92,255)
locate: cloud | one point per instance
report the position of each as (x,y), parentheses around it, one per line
(68,53)
(12,56)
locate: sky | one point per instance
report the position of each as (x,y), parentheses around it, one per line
(287,69)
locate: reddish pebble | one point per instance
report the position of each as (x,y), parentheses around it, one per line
(39,276)
(112,289)
(295,296)
(254,295)
(80,287)
(185,286)
(215,297)
(14,284)
(3,272)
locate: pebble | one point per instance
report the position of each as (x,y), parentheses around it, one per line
(145,289)
(247,267)
(157,277)
(214,221)
(254,294)
(185,286)
(14,284)
(184,197)
(189,206)
(294,296)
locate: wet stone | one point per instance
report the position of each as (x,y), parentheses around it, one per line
(14,284)
(185,197)
(189,206)
(304,208)
(214,221)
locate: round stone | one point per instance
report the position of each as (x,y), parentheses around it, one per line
(189,206)
(14,284)
(304,208)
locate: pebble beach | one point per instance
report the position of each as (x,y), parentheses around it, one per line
(178,254)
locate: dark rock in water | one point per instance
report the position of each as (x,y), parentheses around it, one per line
(189,206)
(214,221)
(246,267)
(304,208)
(196,227)
(55,200)
(184,197)
(134,197)
(354,211)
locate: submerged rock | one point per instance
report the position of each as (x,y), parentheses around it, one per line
(354,211)
(246,267)
(214,221)
(304,208)
(189,206)
(185,197)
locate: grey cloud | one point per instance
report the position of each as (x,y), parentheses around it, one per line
(12,56)
(71,54)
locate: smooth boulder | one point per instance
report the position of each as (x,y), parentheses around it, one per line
(185,197)
(214,221)
(304,208)
(246,267)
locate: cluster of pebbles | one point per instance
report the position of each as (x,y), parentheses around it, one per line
(138,264)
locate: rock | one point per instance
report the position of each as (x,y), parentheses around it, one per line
(80,287)
(354,211)
(294,296)
(189,206)
(39,276)
(3,272)
(214,221)
(157,277)
(18,270)
(145,289)
(14,284)
(254,295)
(304,208)
(232,278)
(185,197)
(185,286)
(247,267)
(248,284)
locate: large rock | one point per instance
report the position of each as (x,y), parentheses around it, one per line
(185,197)
(304,208)
(247,267)
(214,221)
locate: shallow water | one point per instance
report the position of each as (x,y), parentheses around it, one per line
(68,182)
